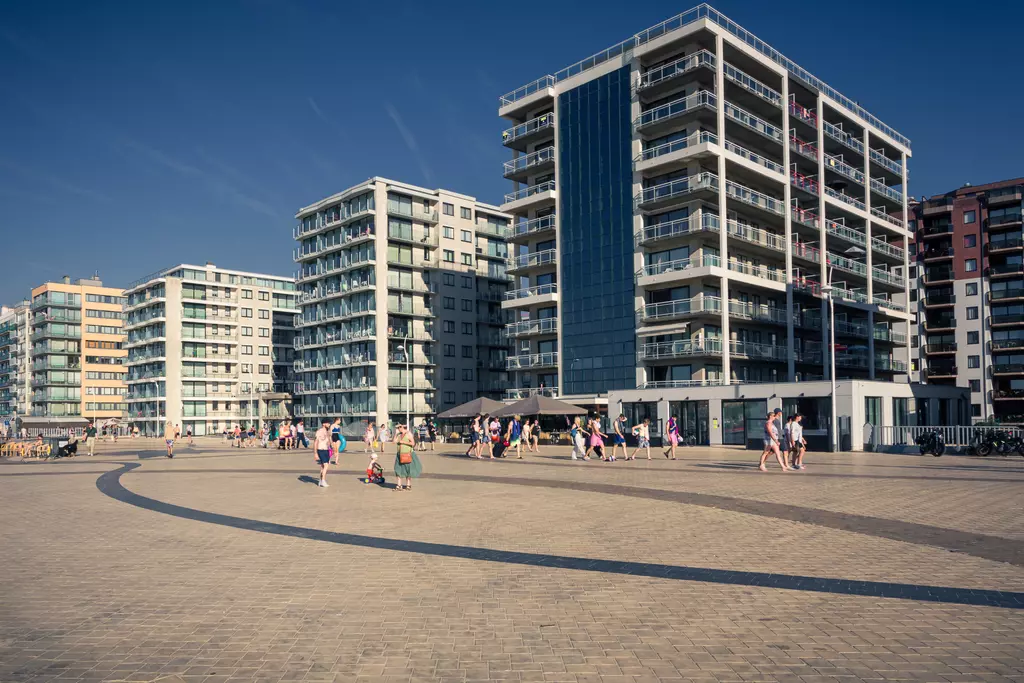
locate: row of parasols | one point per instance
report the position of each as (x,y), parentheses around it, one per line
(532,405)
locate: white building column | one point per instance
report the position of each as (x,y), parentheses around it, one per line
(823,241)
(722,211)
(908,327)
(787,190)
(868,256)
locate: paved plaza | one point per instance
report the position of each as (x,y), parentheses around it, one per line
(227,565)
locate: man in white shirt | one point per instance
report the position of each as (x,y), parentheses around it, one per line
(799,446)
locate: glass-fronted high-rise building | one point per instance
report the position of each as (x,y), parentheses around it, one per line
(15,376)
(401,290)
(683,203)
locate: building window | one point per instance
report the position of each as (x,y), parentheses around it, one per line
(246,312)
(467,282)
(972,338)
(467,259)
(448,326)
(449,256)
(246,331)
(970,241)
(246,350)
(467,351)
(448,279)
(467,304)
(913,245)
(913,272)
(913,365)
(467,375)
(972,312)
(449,397)
(264,315)
(449,374)
(914,341)
(466,213)
(449,350)
(448,302)
(974,361)
(975,410)
(467,328)
(467,236)
(246,367)
(246,293)
(975,385)
(264,369)
(972,289)
(264,350)
(264,331)
(971,265)
(264,296)
(448,232)
(449,209)
(969,217)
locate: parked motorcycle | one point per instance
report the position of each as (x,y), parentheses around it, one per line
(931,442)
(995,441)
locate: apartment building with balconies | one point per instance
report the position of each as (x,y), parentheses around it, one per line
(77,351)
(209,348)
(401,290)
(970,300)
(684,202)
(15,372)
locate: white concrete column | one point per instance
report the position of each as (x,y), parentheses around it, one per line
(908,327)
(636,148)
(787,197)
(722,209)
(822,239)
(868,257)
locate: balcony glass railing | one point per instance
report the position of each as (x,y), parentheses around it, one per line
(677,188)
(672,309)
(681,348)
(754,157)
(844,169)
(533,226)
(680,66)
(1004,344)
(803,114)
(705,222)
(1006,269)
(678,265)
(804,149)
(754,198)
(886,191)
(840,135)
(939,299)
(1004,219)
(845,198)
(538,290)
(746,310)
(533,259)
(757,236)
(885,162)
(1005,243)
(698,100)
(804,183)
(530,327)
(765,272)
(1010,293)
(806,252)
(886,302)
(883,216)
(698,138)
(887,277)
(751,84)
(528,161)
(533,360)
(543,122)
(745,349)
(804,217)
(758,125)
(883,247)
(851,329)
(530,191)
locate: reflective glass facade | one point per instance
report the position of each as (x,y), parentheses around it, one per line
(596,236)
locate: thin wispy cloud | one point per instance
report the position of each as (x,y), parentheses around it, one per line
(55,182)
(410,142)
(215,183)
(325,118)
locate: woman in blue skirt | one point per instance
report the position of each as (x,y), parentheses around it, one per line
(411,467)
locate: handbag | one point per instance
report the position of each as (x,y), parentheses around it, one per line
(404,456)
(376,444)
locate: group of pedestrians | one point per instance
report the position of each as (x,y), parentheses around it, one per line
(588,438)
(486,432)
(407,464)
(787,443)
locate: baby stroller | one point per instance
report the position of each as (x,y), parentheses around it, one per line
(67,450)
(375,473)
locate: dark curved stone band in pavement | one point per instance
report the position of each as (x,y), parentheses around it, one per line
(110,485)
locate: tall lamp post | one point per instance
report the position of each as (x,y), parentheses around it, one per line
(828,290)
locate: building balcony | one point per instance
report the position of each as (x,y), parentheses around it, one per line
(939,349)
(416,309)
(413,211)
(851,360)
(530,296)
(1005,270)
(937,254)
(683,348)
(1005,195)
(885,163)
(851,329)
(401,358)
(301,231)
(1004,222)
(935,231)
(890,365)
(1006,344)
(881,216)
(770,273)
(520,168)
(753,123)
(661,273)
(1007,394)
(888,278)
(941,324)
(751,85)
(756,236)
(530,198)
(842,137)
(1005,245)
(755,199)
(675,191)
(535,227)
(891,197)
(883,248)
(887,335)
(659,80)
(674,230)
(520,137)
(532,328)
(805,149)
(680,308)
(939,300)
(527,97)
(675,154)
(662,119)
(803,114)
(417,237)
(491,318)
(533,261)
(936,207)
(403,384)
(1007,369)
(937,276)
(527,392)
(844,198)
(755,158)
(1011,294)
(1006,320)
(336,241)
(754,351)
(840,167)
(532,360)
(806,252)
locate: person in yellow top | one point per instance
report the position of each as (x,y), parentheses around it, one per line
(169,438)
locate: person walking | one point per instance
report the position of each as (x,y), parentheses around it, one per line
(383,436)
(798,443)
(596,438)
(422,441)
(771,442)
(335,440)
(90,436)
(672,436)
(368,437)
(169,438)
(513,435)
(293,439)
(494,434)
(301,434)
(407,463)
(619,439)
(787,444)
(322,450)
(577,434)
(431,433)
(643,435)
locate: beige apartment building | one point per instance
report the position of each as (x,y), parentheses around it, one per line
(77,351)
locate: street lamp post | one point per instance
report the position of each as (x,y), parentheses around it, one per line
(827,290)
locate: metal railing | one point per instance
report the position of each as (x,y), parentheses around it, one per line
(807,252)
(533,360)
(751,84)
(754,123)
(677,188)
(676,68)
(760,312)
(705,222)
(845,198)
(754,235)
(761,271)
(754,198)
(672,309)
(804,149)
(844,169)
(542,83)
(524,292)
(847,265)
(527,161)
(754,157)
(698,100)
(878,213)
(958,437)
(887,277)
(678,265)
(527,392)
(841,136)
(533,259)
(698,138)
(700,346)
(542,122)
(534,225)
(1009,293)
(530,327)
(885,162)
(884,247)
(530,191)
(886,191)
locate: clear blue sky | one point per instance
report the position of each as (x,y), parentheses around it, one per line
(135,135)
